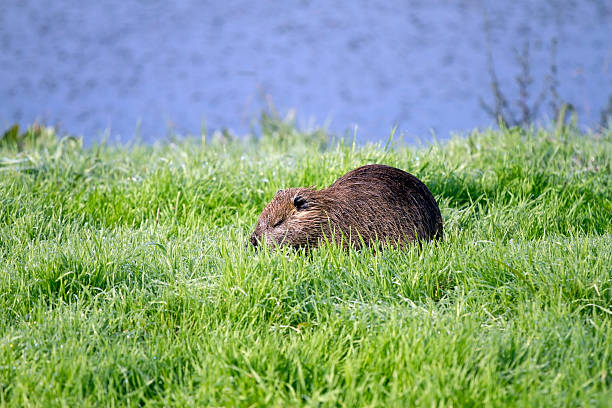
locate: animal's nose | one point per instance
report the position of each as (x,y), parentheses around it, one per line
(254,240)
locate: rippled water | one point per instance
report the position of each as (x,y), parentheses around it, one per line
(420,65)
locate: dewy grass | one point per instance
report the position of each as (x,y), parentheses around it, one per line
(125,278)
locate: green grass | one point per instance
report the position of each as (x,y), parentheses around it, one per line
(125,278)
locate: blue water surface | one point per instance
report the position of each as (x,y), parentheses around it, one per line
(146,68)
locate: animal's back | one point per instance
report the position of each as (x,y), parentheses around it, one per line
(384,203)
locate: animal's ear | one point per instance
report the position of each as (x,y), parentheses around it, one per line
(300,202)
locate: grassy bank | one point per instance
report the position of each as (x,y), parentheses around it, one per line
(125,279)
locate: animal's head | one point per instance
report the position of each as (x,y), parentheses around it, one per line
(293,217)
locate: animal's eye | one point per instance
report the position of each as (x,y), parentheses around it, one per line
(278,223)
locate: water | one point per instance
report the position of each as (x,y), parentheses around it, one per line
(144,67)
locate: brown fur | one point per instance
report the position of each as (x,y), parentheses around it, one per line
(373,202)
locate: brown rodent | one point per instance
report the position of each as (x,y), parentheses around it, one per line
(370,203)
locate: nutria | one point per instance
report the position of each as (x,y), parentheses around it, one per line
(371,203)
